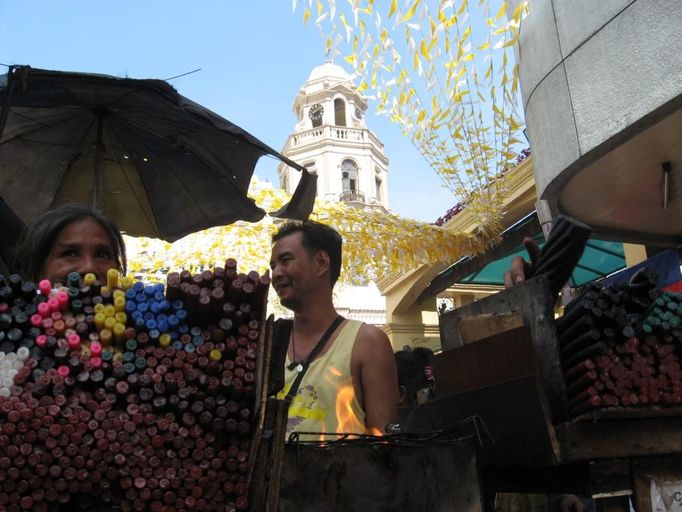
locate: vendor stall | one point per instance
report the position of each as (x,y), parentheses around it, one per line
(588,404)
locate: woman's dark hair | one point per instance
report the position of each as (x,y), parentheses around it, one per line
(36,242)
(316,237)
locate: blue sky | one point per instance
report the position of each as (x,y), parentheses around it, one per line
(254,56)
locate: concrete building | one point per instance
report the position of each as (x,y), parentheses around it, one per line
(602,92)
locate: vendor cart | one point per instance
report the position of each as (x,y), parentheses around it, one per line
(501,361)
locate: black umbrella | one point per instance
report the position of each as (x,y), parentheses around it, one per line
(157,163)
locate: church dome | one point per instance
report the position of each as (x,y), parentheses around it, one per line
(329,71)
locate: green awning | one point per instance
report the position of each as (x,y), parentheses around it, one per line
(600,259)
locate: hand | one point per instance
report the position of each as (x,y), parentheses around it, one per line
(520,268)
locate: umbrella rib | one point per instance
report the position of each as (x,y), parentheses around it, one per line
(137,88)
(118,162)
(210,166)
(40,124)
(62,180)
(179,182)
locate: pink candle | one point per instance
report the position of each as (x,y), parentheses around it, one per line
(95,349)
(53,303)
(45,287)
(44,309)
(74,341)
(63,299)
(41,341)
(36,320)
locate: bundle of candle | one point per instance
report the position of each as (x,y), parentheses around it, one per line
(125,397)
(620,346)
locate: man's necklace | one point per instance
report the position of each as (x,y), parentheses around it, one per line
(300,366)
(297,365)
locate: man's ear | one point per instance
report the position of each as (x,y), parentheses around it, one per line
(322,261)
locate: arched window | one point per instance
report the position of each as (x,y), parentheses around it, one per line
(339,112)
(349,176)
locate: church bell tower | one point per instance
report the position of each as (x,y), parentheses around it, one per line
(332,140)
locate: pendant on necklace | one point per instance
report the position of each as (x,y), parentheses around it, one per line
(299,367)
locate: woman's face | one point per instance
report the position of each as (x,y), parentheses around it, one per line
(82,246)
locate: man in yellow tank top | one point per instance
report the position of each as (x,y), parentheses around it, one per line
(350,385)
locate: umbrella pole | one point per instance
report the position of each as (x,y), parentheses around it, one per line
(99,154)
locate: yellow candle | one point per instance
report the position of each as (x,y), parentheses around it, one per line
(126,282)
(89,279)
(164,340)
(99,321)
(119,304)
(112,278)
(119,332)
(109,323)
(121,317)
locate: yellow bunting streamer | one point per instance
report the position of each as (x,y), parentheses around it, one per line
(445,72)
(376,244)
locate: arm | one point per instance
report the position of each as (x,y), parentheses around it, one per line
(520,268)
(373,366)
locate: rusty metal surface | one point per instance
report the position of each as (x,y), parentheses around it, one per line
(381,477)
(620,438)
(514,414)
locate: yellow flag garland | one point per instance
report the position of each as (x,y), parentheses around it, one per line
(376,243)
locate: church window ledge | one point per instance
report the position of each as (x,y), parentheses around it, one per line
(350,196)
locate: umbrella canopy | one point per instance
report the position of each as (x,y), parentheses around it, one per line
(157,163)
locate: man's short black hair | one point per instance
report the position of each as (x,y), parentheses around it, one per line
(36,242)
(316,237)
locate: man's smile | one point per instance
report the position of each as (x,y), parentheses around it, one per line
(280,286)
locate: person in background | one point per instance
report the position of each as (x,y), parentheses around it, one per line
(356,364)
(415,376)
(70,238)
